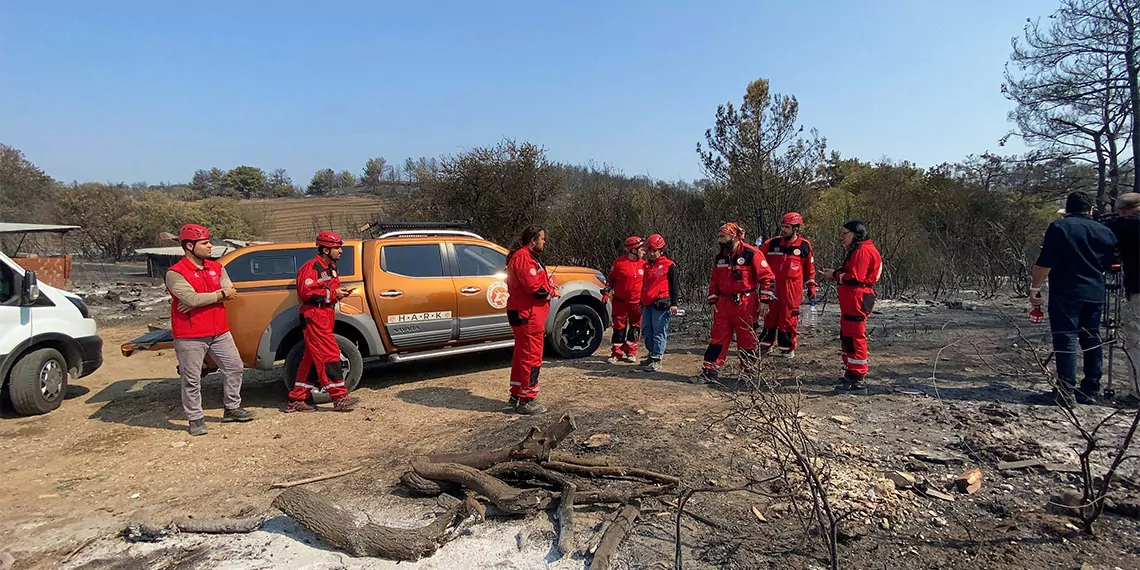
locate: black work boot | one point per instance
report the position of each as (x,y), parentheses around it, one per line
(198,427)
(238,415)
(530,407)
(852,383)
(705,376)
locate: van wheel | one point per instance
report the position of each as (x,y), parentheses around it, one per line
(350,361)
(577,331)
(38,382)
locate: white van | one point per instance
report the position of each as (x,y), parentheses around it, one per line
(45,335)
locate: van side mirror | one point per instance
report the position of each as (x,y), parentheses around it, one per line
(31,291)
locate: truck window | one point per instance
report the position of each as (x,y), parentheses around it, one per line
(479,261)
(7,283)
(272,264)
(412,260)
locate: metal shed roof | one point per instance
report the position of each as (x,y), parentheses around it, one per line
(12,228)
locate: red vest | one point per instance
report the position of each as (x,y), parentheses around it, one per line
(200,322)
(656,284)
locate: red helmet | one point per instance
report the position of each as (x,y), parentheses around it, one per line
(329,239)
(655,241)
(793,219)
(632,243)
(193,232)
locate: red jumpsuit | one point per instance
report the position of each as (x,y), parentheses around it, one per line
(741,280)
(855,284)
(625,279)
(317,285)
(792,262)
(528,303)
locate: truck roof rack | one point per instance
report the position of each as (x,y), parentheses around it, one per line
(382,229)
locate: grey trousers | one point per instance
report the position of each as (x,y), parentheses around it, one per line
(1130,334)
(191,353)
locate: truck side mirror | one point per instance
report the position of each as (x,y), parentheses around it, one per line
(31,290)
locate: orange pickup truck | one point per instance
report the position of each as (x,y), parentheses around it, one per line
(422,291)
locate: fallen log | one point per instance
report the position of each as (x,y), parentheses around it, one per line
(611,471)
(614,535)
(138,531)
(337,527)
(507,498)
(427,488)
(536,446)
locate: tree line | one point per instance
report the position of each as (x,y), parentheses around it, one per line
(975,223)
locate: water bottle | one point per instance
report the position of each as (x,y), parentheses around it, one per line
(813,314)
(1036,315)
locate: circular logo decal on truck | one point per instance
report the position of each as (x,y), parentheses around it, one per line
(497,295)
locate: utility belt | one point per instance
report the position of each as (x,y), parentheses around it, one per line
(856,284)
(738,298)
(321,303)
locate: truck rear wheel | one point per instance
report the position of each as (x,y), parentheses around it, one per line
(351,362)
(38,382)
(577,331)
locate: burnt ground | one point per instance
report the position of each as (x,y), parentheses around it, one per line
(957,383)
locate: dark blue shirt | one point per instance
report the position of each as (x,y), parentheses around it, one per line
(1077,249)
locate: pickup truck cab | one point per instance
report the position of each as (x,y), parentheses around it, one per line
(419,293)
(45,335)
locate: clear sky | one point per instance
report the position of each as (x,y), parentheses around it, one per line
(152,90)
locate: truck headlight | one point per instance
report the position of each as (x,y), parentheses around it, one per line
(601,278)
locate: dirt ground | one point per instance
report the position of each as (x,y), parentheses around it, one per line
(118,450)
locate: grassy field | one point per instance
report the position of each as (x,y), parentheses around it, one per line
(299,219)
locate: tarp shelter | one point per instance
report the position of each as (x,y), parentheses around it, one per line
(159,259)
(53,270)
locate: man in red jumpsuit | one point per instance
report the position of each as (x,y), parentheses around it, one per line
(625,280)
(319,290)
(792,261)
(855,281)
(529,290)
(739,292)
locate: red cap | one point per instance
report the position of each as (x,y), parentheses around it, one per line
(329,239)
(193,232)
(655,241)
(634,242)
(793,219)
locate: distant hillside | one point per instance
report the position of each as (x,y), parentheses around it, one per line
(299,219)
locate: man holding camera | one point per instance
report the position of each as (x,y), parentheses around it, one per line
(1081,249)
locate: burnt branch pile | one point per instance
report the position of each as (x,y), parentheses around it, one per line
(527,478)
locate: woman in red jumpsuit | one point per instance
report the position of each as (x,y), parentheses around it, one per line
(855,284)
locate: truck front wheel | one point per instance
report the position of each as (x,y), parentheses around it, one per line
(38,382)
(577,331)
(351,362)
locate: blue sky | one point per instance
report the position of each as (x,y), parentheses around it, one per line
(151,91)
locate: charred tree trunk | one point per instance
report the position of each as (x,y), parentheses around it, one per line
(535,447)
(338,527)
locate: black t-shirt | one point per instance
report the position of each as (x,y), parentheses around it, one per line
(1127,230)
(1077,249)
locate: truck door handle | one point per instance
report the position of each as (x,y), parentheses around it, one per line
(391,293)
(469,290)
